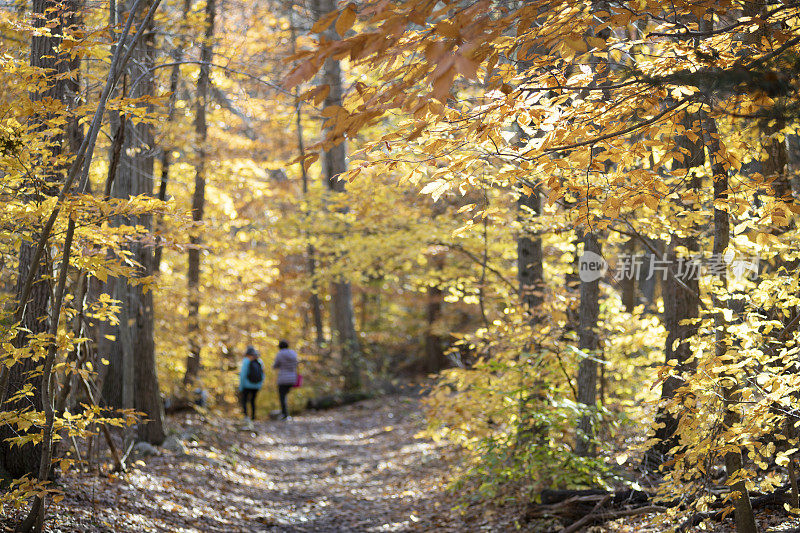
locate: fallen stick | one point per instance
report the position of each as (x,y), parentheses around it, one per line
(612,515)
(586,519)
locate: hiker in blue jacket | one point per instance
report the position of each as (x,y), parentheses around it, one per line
(251,377)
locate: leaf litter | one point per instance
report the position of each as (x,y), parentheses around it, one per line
(356,468)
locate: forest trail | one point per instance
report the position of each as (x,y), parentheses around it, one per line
(358,468)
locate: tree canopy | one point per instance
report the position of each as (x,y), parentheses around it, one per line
(574,221)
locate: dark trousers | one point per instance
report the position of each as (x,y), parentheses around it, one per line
(283,390)
(248,396)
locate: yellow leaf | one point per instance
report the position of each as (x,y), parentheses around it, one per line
(611,208)
(435,188)
(579,45)
(651,202)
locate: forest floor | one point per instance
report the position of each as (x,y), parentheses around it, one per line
(359,468)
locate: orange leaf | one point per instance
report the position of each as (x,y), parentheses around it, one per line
(331,111)
(323,23)
(466,67)
(442,85)
(302,72)
(346,20)
(324,90)
(309,160)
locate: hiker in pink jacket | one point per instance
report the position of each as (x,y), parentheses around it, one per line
(286,364)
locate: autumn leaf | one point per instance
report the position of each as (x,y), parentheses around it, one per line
(324,22)
(346,19)
(436,188)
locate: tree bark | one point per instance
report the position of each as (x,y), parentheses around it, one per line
(628,282)
(133,350)
(530,261)
(679,304)
(530,277)
(313,300)
(199,198)
(334,163)
(16,460)
(743,510)
(589,342)
(435,359)
(35,519)
(166,150)
(434,344)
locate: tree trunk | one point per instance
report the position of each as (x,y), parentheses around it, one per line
(589,342)
(35,518)
(530,275)
(434,344)
(334,163)
(344,325)
(112,393)
(589,312)
(648,283)
(743,510)
(530,262)
(16,460)
(166,150)
(132,374)
(680,293)
(73,22)
(199,197)
(313,300)
(628,282)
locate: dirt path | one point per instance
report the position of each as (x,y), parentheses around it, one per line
(353,469)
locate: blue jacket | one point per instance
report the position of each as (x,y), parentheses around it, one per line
(245,383)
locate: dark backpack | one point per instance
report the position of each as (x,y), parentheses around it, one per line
(255,374)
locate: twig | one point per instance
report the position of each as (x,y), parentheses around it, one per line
(119,462)
(660,258)
(459,248)
(655,118)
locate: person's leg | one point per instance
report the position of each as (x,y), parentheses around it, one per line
(253,403)
(283,390)
(250,401)
(243,400)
